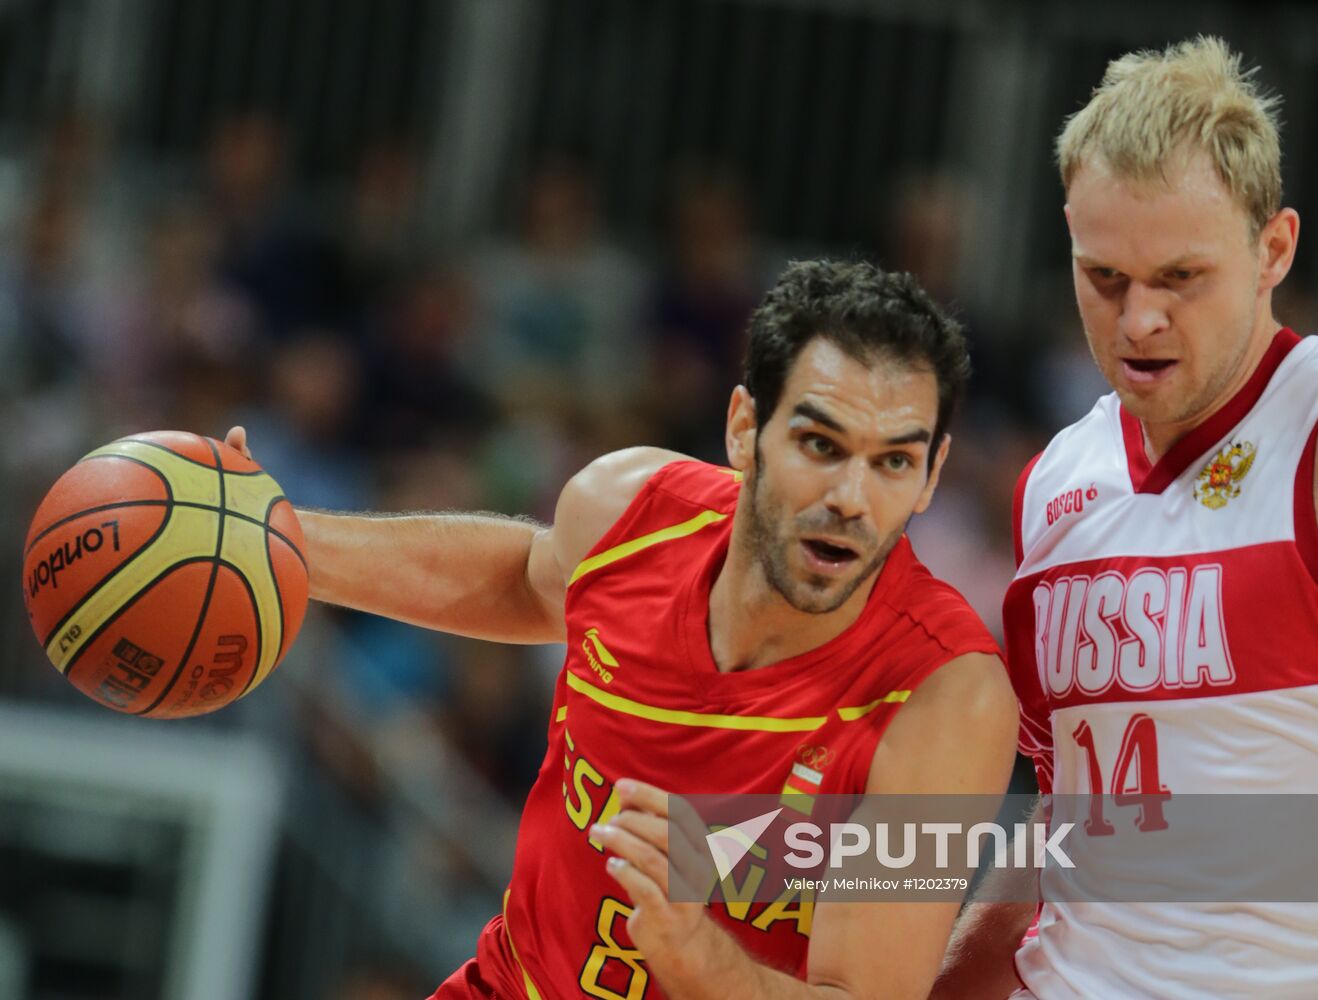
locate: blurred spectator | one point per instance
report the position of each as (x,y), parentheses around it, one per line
(45,294)
(965,538)
(414,392)
(925,219)
(269,249)
(559,304)
(1063,381)
(495,715)
(383,236)
(45,307)
(173,345)
(301,433)
(698,309)
(925,228)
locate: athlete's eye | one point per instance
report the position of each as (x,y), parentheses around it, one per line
(1105,273)
(819,446)
(898,461)
(1181,274)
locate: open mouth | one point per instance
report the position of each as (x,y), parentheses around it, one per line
(829,555)
(1147,370)
(1149,364)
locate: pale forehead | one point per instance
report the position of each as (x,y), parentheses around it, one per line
(877,393)
(1115,219)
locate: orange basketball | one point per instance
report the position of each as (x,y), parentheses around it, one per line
(164,575)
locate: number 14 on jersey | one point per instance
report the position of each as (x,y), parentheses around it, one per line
(1137,766)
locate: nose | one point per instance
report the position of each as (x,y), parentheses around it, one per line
(1143,312)
(846,494)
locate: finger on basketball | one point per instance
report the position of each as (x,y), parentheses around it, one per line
(237,440)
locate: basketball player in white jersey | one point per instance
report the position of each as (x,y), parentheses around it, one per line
(1162,627)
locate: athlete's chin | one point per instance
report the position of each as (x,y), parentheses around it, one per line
(821,595)
(1154,405)
(812,601)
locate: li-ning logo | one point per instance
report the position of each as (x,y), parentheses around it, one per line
(1219,480)
(1070,502)
(598,655)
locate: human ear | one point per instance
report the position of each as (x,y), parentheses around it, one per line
(927,494)
(741,431)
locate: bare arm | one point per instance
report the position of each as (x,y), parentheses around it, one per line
(481,575)
(981,957)
(956,735)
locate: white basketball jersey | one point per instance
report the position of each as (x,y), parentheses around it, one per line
(1162,632)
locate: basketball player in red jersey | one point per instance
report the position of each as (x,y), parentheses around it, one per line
(728,630)
(1163,622)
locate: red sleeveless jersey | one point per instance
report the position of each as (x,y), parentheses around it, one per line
(640,696)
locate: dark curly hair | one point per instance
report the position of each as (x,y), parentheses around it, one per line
(867,312)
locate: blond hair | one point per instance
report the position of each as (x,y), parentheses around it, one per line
(1155,107)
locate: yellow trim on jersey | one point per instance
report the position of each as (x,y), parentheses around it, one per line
(531,992)
(689,527)
(798,801)
(561,714)
(758,723)
(857,711)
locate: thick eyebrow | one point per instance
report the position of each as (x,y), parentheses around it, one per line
(812,412)
(921,435)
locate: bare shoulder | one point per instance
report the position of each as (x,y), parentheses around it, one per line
(598,495)
(972,684)
(956,733)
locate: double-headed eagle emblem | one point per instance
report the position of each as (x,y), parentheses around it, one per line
(1219,480)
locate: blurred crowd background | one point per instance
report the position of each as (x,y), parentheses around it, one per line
(438,254)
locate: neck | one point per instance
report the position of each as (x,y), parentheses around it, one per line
(751,625)
(1160,438)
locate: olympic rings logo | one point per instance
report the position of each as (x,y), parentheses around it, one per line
(816,757)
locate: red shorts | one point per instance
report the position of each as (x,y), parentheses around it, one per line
(486,976)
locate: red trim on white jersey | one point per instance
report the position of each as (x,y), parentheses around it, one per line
(1306,517)
(1146,478)
(1018,508)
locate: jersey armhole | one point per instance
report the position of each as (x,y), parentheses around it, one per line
(861,755)
(619,530)
(1018,509)
(1306,517)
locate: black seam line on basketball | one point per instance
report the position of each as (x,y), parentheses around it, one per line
(250,520)
(94,510)
(185,458)
(142,591)
(196,505)
(279,598)
(210,591)
(169,496)
(121,565)
(256,614)
(279,534)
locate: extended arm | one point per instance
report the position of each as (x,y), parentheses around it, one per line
(480,575)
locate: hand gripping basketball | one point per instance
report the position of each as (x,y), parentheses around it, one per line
(163,574)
